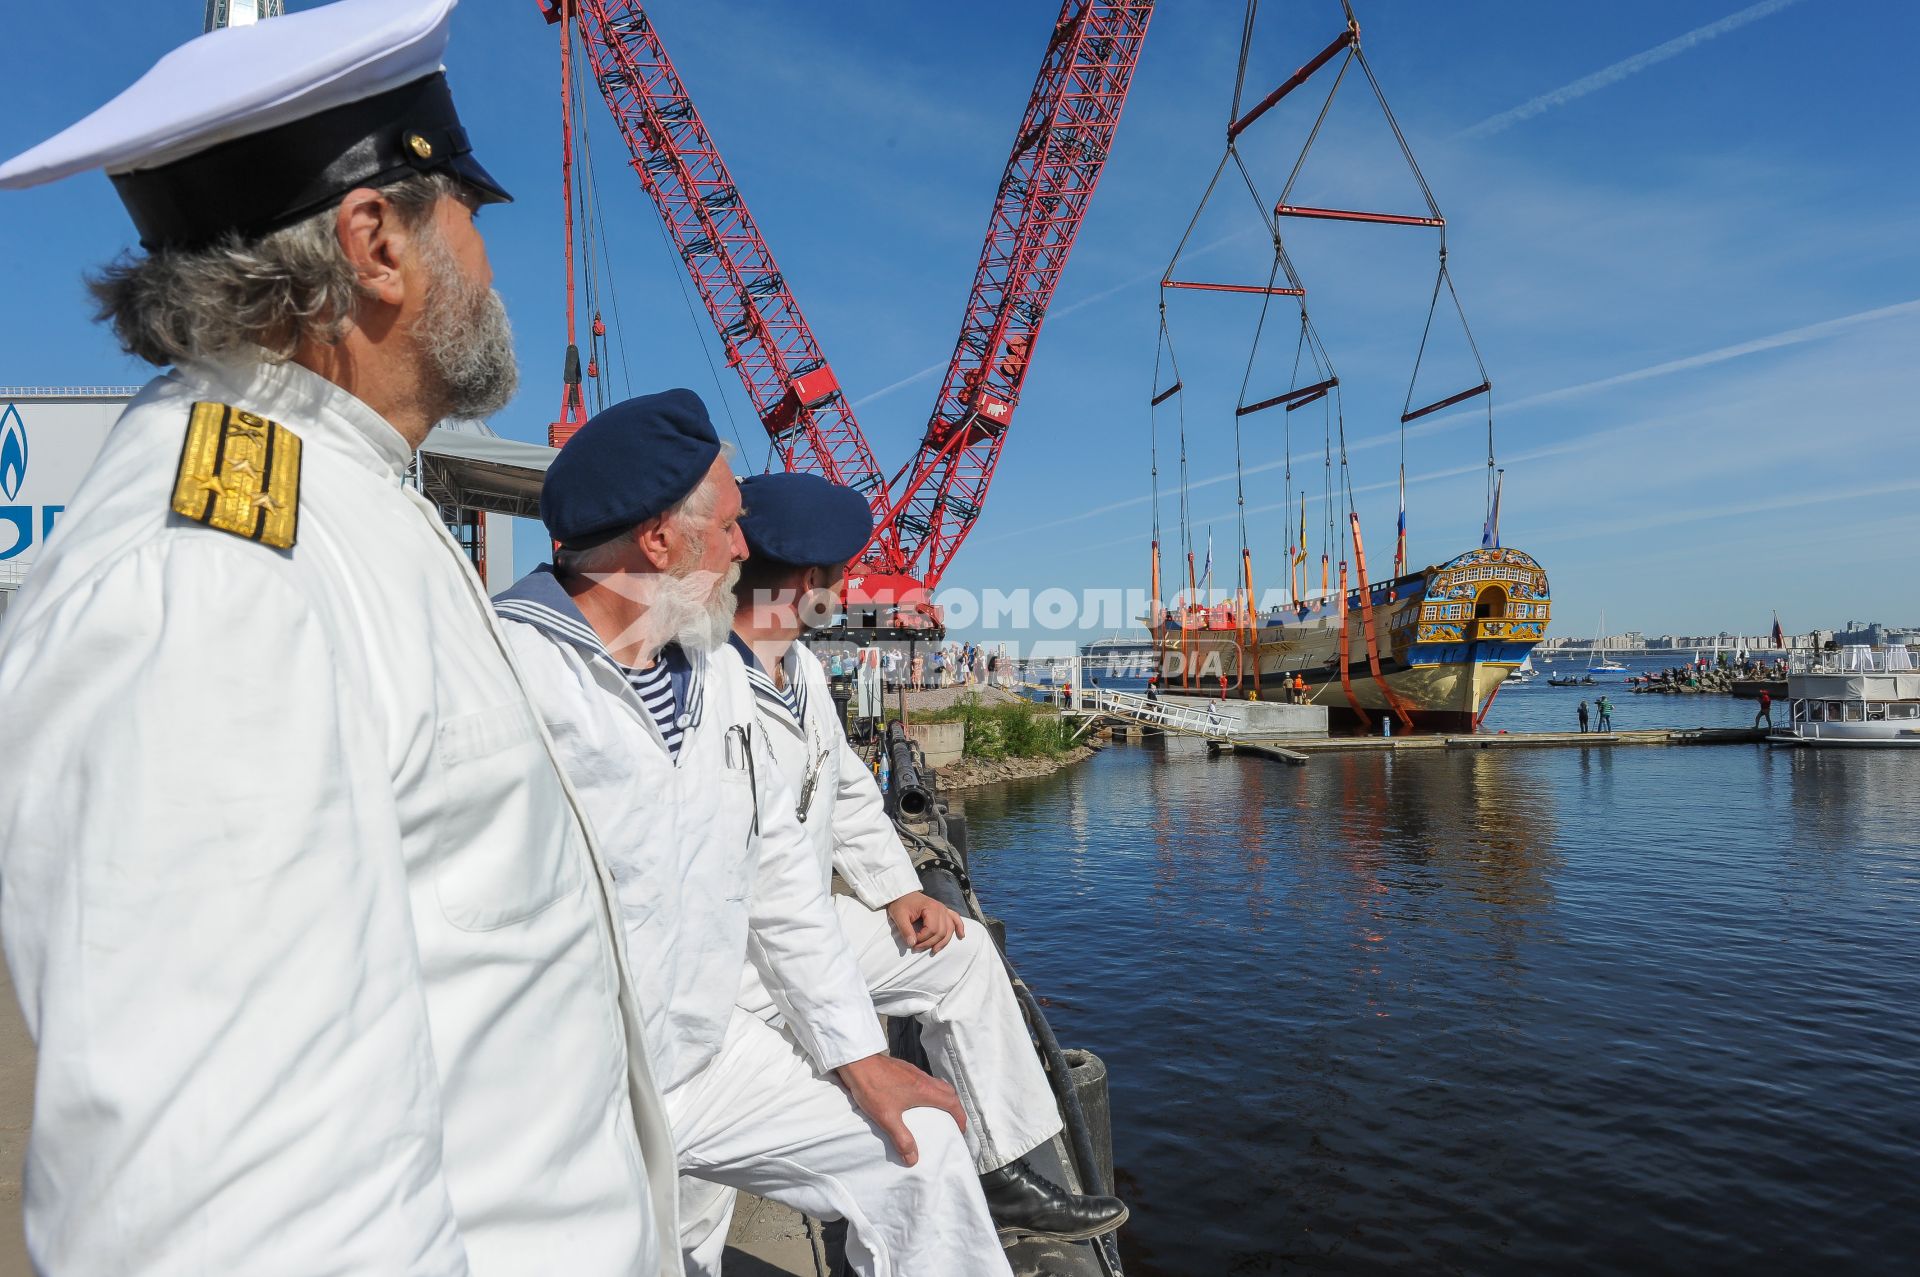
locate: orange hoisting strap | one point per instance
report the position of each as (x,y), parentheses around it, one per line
(1253,622)
(1346,647)
(1186,660)
(1153,605)
(1366,620)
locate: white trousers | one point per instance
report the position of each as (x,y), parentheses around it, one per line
(759,1118)
(975,1038)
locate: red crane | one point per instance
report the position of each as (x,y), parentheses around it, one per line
(1057,158)
(767,340)
(1056,161)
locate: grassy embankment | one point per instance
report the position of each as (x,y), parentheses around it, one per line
(1022,730)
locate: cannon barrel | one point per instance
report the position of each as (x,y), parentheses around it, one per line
(909,794)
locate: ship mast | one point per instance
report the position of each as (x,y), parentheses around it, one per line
(241,13)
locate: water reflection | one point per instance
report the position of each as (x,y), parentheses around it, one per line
(1485,1011)
(1840,798)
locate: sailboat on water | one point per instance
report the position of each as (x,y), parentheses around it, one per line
(1597,663)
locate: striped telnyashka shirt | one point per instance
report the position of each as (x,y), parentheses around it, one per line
(654,687)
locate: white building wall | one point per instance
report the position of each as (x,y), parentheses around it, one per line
(499,530)
(47,442)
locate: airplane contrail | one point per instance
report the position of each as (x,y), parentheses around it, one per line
(1619,71)
(901,384)
(1773,341)
(1767,505)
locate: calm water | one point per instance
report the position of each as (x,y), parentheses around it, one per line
(1629,1011)
(1536,707)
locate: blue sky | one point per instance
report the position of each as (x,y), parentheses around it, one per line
(1684,233)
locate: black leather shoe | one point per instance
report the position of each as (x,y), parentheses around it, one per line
(1025,1205)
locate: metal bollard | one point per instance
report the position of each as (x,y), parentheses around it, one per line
(957,835)
(1089,1075)
(997,929)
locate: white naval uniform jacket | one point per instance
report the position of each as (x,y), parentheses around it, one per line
(317,953)
(711,866)
(845,815)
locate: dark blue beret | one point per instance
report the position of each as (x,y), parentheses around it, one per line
(629,463)
(803,519)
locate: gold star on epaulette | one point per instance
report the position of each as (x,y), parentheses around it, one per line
(241,474)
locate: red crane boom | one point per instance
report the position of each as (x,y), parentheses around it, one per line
(766,338)
(1057,158)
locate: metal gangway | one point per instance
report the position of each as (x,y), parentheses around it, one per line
(1208,722)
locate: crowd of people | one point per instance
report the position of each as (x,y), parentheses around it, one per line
(960,665)
(1701,673)
(923,667)
(368,924)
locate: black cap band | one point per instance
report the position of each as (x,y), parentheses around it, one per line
(274,178)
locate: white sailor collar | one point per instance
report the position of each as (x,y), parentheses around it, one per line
(538,599)
(787,706)
(317,410)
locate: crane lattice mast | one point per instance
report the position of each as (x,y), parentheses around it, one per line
(1065,137)
(767,340)
(1059,152)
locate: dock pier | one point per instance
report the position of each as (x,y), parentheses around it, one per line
(1298,752)
(1248,729)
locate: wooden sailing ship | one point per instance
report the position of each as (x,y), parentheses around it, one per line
(1444,640)
(1427,650)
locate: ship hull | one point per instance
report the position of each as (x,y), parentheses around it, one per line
(1445,640)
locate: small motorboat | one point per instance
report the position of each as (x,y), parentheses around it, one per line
(1855,697)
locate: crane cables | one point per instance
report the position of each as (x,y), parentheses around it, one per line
(598,274)
(596,260)
(1310,352)
(1155,599)
(1282,280)
(1349,41)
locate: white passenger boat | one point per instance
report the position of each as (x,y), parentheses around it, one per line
(1854,697)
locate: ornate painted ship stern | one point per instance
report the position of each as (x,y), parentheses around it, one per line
(1482,613)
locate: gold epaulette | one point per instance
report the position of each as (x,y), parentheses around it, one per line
(241,474)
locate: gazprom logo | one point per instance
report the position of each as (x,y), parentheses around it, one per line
(13,452)
(17,522)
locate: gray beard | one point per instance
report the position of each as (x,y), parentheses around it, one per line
(465,338)
(696,610)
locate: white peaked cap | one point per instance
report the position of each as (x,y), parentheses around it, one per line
(239,81)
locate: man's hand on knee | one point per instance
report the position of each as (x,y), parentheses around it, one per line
(924,923)
(885,1088)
